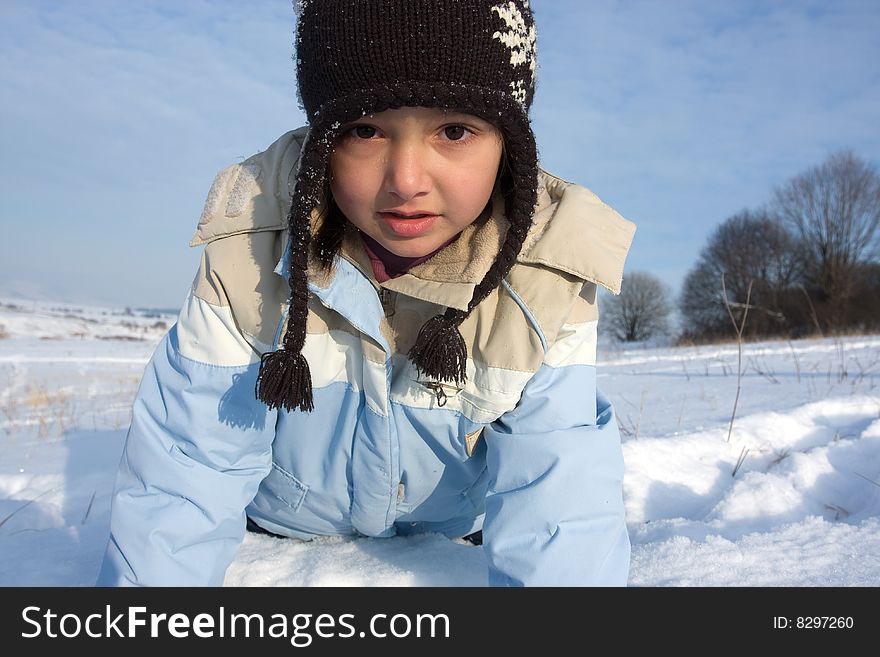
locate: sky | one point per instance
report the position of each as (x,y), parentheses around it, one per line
(115,117)
(791,497)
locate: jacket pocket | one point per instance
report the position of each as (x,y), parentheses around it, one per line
(285,487)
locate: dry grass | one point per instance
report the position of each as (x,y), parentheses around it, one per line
(852,332)
(49,412)
(36,410)
(53,411)
(739,326)
(9,407)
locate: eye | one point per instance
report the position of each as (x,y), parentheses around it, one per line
(455,132)
(364,131)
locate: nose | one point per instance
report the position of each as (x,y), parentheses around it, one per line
(406,171)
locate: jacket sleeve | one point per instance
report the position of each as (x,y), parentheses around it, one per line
(554,507)
(200,442)
(198,447)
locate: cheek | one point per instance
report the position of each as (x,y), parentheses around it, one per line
(479,180)
(349,188)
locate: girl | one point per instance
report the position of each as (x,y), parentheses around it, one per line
(393,327)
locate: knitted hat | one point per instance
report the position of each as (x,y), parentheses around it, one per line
(357,57)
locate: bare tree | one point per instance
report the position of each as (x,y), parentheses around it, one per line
(834,209)
(752,252)
(641,310)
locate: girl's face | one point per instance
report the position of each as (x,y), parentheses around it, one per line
(413,178)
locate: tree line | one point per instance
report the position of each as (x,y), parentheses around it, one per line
(807,262)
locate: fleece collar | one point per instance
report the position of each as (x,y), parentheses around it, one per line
(449,277)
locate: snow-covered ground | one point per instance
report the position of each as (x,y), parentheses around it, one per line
(791,499)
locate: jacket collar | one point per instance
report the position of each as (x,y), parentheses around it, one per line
(575,232)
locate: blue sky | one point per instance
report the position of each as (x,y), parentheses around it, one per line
(115,117)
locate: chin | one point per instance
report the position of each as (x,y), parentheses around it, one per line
(406,251)
(410,248)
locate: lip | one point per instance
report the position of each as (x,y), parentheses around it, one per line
(407,214)
(412,227)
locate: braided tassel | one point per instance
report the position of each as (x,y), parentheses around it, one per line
(440,351)
(285,381)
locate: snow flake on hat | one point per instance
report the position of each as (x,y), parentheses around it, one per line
(299,6)
(521,40)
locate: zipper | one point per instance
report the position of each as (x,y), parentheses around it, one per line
(386,298)
(440,389)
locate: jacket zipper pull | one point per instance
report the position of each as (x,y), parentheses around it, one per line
(437,388)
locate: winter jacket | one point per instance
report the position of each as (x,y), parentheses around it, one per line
(526,450)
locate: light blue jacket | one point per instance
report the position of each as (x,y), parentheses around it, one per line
(527,450)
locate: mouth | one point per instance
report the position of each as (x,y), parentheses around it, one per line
(408,224)
(407,215)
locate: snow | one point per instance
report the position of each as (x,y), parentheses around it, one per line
(792,498)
